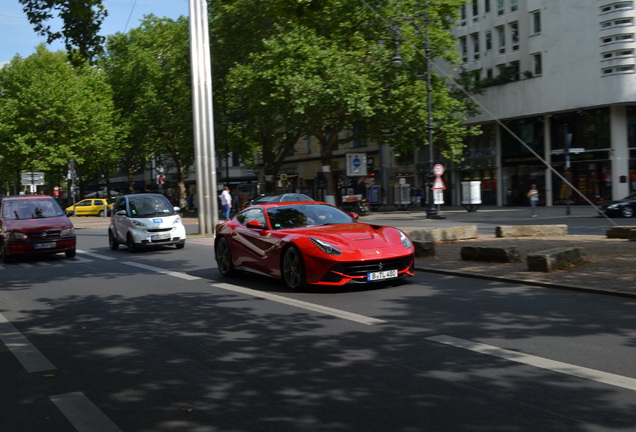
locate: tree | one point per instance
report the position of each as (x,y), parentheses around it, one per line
(319,67)
(149,70)
(81,22)
(51,112)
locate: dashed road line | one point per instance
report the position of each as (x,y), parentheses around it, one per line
(539,362)
(83,414)
(27,354)
(162,271)
(94,255)
(301,304)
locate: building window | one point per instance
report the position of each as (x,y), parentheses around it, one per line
(617,6)
(486,6)
(475,39)
(475,11)
(463,48)
(514,5)
(536,22)
(537,64)
(501,39)
(308,144)
(514,35)
(488,36)
(627,37)
(620,22)
(500,7)
(462,14)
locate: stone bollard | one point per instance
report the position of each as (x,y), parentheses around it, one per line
(554,259)
(531,230)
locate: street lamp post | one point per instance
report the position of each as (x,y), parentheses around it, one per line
(431,210)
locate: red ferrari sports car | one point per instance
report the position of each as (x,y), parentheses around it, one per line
(306,243)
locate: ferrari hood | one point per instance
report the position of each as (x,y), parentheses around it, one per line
(357,236)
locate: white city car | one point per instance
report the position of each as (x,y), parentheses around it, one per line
(142,220)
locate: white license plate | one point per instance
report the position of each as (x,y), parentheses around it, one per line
(49,245)
(388,274)
(157,237)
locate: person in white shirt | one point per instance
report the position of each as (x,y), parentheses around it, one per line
(226,202)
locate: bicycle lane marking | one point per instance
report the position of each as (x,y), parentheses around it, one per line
(539,362)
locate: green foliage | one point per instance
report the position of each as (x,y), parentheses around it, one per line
(149,71)
(81,22)
(51,112)
(293,67)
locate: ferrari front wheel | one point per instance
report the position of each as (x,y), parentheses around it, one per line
(293,271)
(224,258)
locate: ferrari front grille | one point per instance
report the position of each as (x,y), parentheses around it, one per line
(361,268)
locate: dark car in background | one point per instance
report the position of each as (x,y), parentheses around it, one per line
(34,225)
(625,207)
(272,198)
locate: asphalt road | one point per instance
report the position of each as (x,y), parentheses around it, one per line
(158,341)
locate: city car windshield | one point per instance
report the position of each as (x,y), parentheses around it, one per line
(30,209)
(304,215)
(146,207)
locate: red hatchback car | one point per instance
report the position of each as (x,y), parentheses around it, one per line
(312,243)
(34,225)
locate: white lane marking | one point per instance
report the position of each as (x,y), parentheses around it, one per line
(28,355)
(83,414)
(539,362)
(94,255)
(162,271)
(301,304)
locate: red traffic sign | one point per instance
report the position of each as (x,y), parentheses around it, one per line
(439,183)
(438,169)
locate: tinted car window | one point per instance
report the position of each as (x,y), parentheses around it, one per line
(251,214)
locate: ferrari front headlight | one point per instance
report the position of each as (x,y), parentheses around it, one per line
(325,247)
(406,242)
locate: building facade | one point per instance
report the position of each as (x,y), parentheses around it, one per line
(559,98)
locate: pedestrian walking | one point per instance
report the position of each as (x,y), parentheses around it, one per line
(226,202)
(533,195)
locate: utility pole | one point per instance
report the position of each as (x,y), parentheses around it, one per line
(203,117)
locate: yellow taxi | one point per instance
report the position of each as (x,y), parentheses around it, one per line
(90,207)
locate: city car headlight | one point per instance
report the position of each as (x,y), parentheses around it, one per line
(406,242)
(67,232)
(13,235)
(325,247)
(138,224)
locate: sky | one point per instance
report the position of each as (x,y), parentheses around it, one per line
(18,37)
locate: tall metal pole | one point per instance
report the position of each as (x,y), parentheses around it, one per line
(203,116)
(431,210)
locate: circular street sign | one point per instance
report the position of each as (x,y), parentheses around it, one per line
(438,169)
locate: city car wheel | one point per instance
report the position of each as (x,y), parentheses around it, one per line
(180,245)
(70,254)
(293,271)
(132,246)
(112,241)
(627,211)
(224,258)
(101,213)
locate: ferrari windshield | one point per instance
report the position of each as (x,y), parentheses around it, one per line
(34,208)
(304,215)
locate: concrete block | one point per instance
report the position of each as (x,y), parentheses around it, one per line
(490,254)
(531,230)
(632,235)
(424,248)
(461,232)
(619,232)
(554,259)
